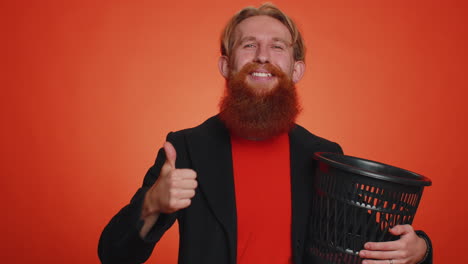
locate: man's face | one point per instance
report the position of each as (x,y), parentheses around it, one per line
(260,100)
(262,40)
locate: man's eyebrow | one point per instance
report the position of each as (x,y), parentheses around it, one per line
(248,38)
(275,39)
(282,40)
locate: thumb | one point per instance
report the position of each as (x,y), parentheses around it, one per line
(400,230)
(171,154)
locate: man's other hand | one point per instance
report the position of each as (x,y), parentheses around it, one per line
(409,249)
(173,189)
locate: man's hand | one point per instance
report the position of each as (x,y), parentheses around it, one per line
(173,189)
(409,249)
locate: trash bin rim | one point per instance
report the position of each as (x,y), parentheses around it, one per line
(419,179)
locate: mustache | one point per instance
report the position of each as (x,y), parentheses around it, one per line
(251,67)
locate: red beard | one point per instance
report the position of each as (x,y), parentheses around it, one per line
(258,112)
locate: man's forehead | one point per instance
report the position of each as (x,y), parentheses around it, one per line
(262,27)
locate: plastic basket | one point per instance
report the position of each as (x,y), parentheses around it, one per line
(357,201)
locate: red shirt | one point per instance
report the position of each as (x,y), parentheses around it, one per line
(263,200)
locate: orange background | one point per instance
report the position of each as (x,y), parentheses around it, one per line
(90,89)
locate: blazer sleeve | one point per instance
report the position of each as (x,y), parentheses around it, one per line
(120,241)
(428,257)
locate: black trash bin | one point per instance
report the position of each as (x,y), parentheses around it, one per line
(356,201)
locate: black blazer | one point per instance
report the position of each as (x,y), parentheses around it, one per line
(208,226)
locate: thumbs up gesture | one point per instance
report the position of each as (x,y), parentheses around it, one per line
(173,189)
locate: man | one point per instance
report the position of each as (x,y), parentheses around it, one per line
(239,184)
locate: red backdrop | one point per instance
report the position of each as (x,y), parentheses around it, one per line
(90,89)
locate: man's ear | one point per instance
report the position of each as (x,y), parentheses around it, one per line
(223,66)
(298,72)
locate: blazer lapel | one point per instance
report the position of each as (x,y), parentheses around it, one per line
(210,149)
(301,189)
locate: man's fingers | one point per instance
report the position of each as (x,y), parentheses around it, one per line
(407,249)
(187,184)
(184,203)
(186,194)
(368,254)
(171,154)
(380,261)
(185,174)
(398,230)
(382,246)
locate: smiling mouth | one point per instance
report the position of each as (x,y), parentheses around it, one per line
(261,74)
(262,79)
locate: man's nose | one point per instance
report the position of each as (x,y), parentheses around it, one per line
(262,55)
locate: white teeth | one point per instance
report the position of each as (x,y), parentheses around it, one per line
(261,74)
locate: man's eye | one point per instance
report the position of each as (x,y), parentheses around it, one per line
(249,45)
(278,47)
